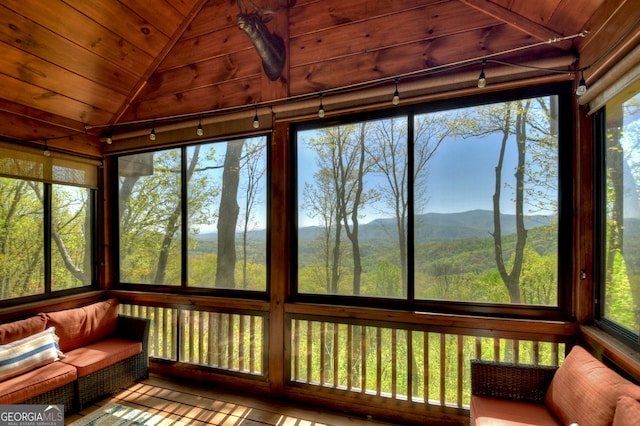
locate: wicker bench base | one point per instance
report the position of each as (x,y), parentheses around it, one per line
(108,380)
(63,395)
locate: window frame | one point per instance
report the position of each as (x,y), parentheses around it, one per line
(47,248)
(599,128)
(184,288)
(563,310)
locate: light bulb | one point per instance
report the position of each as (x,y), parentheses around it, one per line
(256,120)
(109,140)
(152,135)
(321,109)
(482,80)
(582,87)
(396,98)
(199,130)
(396,95)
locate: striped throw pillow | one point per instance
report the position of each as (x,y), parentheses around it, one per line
(31,352)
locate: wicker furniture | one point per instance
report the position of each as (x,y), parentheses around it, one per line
(106,380)
(102,352)
(582,390)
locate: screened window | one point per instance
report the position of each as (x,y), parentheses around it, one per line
(47,222)
(214,195)
(621,200)
(457,205)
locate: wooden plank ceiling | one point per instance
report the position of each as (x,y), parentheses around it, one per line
(71,68)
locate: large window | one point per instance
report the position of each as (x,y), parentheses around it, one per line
(47,222)
(458,204)
(620,233)
(215,196)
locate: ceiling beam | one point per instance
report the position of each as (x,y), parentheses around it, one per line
(517,21)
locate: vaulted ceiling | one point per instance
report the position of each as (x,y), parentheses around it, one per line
(69,68)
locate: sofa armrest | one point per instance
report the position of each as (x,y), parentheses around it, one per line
(133,328)
(511,381)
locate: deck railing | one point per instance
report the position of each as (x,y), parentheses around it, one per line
(232,342)
(371,359)
(399,361)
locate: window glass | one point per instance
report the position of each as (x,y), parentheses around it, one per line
(481,185)
(21,238)
(150,217)
(227,214)
(622,231)
(353,209)
(71,237)
(486,203)
(225,204)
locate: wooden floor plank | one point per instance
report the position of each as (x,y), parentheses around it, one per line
(196,405)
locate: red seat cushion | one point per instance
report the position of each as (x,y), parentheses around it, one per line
(96,356)
(35,382)
(487,411)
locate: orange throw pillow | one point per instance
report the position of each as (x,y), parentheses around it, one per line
(585,391)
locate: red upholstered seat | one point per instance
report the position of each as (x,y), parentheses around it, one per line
(487,411)
(35,382)
(96,356)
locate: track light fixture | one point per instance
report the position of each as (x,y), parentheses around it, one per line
(582,85)
(256,120)
(199,130)
(321,109)
(482,79)
(396,95)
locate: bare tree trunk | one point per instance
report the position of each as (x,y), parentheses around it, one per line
(228,216)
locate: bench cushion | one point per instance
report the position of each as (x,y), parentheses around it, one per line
(488,411)
(16,330)
(36,382)
(585,391)
(81,326)
(96,356)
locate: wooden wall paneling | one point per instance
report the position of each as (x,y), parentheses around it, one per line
(182,6)
(402,59)
(216,96)
(312,16)
(20,65)
(380,33)
(19,32)
(18,124)
(46,100)
(215,15)
(120,19)
(606,27)
(85,32)
(569,17)
(161,14)
(235,66)
(216,44)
